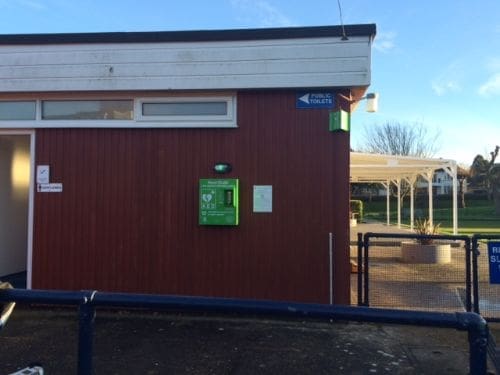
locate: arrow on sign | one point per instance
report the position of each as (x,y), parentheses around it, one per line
(305,98)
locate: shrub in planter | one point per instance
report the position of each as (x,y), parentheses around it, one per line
(426,228)
(425,250)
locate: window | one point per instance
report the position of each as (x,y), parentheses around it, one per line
(189,111)
(17,110)
(185,109)
(87,110)
(201,110)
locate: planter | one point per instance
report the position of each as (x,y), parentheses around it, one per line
(438,253)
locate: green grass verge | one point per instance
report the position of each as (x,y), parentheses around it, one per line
(478,217)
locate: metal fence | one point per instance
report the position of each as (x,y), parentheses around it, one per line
(388,277)
(88,301)
(395,272)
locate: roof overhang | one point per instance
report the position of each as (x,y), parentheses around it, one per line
(278,58)
(372,168)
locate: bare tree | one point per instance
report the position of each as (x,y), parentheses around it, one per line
(486,174)
(396,138)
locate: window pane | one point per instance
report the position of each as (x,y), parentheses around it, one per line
(185,109)
(17,110)
(87,110)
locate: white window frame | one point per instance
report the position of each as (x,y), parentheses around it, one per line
(139,121)
(196,121)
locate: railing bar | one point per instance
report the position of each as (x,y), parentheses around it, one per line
(475,325)
(410,235)
(226,305)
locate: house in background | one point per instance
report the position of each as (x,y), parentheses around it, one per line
(194,163)
(442,183)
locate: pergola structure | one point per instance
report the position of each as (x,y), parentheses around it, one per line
(393,169)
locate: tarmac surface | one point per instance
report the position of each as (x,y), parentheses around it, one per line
(142,342)
(146,342)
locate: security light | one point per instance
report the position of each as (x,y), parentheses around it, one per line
(222,168)
(371,102)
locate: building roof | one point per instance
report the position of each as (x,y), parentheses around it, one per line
(282,58)
(191,36)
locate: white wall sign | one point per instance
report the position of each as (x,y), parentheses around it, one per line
(262,198)
(55,187)
(42,174)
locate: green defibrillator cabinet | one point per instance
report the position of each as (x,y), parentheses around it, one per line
(219,201)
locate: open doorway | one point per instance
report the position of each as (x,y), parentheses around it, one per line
(15,182)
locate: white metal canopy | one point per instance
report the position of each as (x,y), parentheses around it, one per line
(392,169)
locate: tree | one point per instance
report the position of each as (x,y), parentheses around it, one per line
(486,174)
(462,176)
(396,138)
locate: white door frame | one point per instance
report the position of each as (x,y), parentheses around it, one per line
(31,198)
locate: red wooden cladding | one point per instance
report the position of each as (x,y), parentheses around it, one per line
(127,219)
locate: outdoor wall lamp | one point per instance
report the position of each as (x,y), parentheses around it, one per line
(371,101)
(222,167)
(340,120)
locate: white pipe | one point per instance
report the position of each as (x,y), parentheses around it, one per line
(398,184)
(455,201)
(330,251)
(412,204)
(388,186)
(431,204)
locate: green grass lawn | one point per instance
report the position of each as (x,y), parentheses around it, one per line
(478,217)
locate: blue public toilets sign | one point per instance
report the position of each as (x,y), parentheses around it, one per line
(494,261)
(306,100)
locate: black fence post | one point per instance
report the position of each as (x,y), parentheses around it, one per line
(475,275)
(360,269)
(366,279)
(86,314)
(478,334)
(468,289)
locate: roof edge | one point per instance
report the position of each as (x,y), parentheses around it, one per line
(191,35)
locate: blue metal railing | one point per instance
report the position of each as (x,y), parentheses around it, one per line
(87,301)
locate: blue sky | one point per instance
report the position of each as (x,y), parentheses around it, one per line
(436,63)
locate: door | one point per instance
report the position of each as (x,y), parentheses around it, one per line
(15,204)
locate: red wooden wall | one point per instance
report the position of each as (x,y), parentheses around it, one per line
(127,219)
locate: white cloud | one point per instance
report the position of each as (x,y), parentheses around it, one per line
(491,86)
(441,87)
(448,81)
(384,42)
(30,4)
(261,12)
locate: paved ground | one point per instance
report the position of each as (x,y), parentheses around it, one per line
(166,343)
